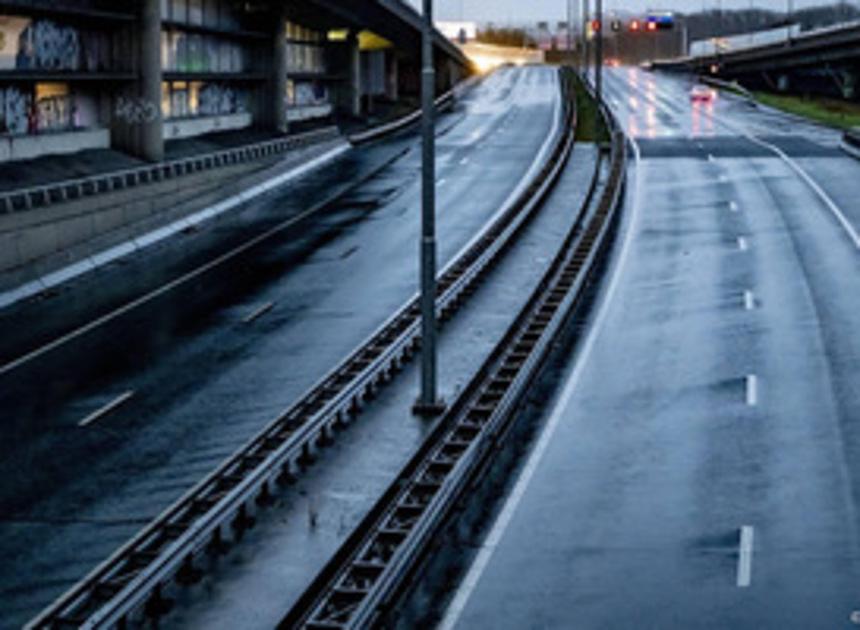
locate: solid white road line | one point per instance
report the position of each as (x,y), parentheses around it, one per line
(258,313)
(488,548)
(749,300)
(745,556)
(743,244)
(752,390)
(112,406)
(816,188)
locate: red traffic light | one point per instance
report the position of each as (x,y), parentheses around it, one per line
(652,26)
(595,26)
(635,25)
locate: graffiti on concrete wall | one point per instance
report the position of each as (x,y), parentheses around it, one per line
(27,44)
(16,110)
(45,45)
(217,99)
(136,111)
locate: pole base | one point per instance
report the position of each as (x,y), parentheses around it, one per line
(432,410)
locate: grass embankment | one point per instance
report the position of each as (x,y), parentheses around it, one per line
(590,126)
(828,111)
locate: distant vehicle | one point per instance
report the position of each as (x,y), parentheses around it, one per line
(701,93)
(612,62)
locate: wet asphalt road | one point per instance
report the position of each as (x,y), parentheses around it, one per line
(73,494)
(700,468)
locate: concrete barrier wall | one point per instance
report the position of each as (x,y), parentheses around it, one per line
(191,127)
(28,147)
(40,241)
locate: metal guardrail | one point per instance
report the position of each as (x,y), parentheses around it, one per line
(376,133)
(851,142)
(136,575)
(361,585)
(38,196)
(731,86)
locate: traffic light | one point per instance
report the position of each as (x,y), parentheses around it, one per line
(616,25)
(635,26)
(595,26)
(663,21)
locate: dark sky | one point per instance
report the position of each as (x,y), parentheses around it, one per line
(535,10)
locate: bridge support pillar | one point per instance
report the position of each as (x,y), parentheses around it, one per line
(277,97)
(137,125)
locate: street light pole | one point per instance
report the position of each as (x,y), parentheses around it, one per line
(428,402)
(598,50)
(570,32)
(585,55)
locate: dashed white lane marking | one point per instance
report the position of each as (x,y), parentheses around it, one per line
(464,161)
(745,556)
(752,390)
(733,206)
(749,300)
(491,542)
(743,244)
(112,406)
(441,182)
(258,313)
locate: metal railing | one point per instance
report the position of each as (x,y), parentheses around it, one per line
(24,199)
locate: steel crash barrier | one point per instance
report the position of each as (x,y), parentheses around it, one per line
(39,196)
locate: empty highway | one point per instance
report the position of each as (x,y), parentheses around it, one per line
(84,471)
(699,467)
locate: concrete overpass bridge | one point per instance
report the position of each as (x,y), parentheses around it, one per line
(825,61)
(92,74)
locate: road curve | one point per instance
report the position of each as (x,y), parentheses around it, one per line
(82,482)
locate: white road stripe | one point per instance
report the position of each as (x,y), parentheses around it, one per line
(752,390)
(817,189)
(112,406)
(441,182)
(749,300)
(257,314)
(743,244)
(488,548)
(464,161)
(733,206)
(745,556)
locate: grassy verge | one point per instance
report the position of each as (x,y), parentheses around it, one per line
(590,127)
(831,112)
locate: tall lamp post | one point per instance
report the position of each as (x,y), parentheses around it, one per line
(428,403)
(585,58)
(598,53)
